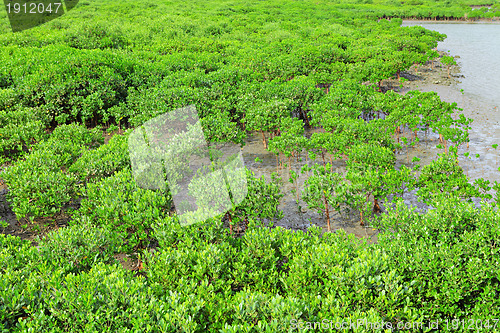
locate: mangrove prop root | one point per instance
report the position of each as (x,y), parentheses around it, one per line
(327,213)
(264,139)
(376,206)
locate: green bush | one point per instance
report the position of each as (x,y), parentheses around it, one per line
(16,294)
(262,199)
(68,84)
(116,203)
(267,278)
(37,191)
(78,247)
(441,265)
(241,64)
(97,164)
(39,185)
(96,36)
(20,128)
(450,257)
(444,177)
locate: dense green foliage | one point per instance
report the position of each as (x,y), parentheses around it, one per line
(38,185)
(436,266)
(270,67)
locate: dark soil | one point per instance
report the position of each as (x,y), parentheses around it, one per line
(8,216)
(21,227)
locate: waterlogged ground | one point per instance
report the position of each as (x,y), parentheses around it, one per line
(297,216)
(484,133)
(478,45)
(433,77)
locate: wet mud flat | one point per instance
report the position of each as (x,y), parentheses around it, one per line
(430,77)
(485,131)
(296,215)
(485,128)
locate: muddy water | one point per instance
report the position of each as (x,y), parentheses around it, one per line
(478,46)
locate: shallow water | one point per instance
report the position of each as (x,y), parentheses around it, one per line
(478,45)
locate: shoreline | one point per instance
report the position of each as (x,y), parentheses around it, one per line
(494,20)
(485,129)
(432,72)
